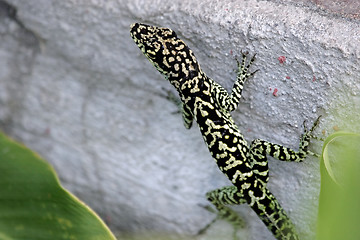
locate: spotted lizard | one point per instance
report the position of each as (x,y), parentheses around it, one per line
(210,105)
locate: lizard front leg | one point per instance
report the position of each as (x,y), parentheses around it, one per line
(185,110)
(229,102)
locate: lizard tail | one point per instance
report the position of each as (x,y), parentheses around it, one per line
(264,203)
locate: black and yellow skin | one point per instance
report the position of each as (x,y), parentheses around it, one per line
(210,105)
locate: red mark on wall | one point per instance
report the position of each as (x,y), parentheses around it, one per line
(282,59)
(47,131)
(314,79)
(287,77)
(275,92)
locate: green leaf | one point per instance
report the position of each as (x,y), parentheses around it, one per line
(33,204)
(339,204)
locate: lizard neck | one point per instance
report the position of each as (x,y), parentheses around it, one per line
(194,85)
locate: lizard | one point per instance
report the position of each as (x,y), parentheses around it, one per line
(210,105)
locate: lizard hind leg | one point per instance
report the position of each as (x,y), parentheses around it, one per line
(219,199)
(260,148)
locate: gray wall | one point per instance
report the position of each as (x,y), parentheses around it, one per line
(76,89)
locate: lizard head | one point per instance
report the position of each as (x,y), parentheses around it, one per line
(169,54)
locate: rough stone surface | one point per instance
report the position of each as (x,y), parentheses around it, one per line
(75,88)
(341,8)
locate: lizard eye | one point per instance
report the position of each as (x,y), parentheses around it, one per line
(170,46)
(144,31)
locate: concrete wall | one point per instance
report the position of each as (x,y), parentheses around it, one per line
(75,88)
